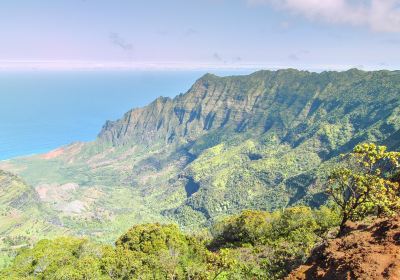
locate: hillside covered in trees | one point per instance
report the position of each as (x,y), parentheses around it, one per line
(253,244)
(266,141)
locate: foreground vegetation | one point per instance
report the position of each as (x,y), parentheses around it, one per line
(366,183)
(252,245)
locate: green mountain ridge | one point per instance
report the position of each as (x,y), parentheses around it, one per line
(259,141)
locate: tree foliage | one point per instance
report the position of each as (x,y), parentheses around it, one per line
(251,245)
(268,245)
(366,184)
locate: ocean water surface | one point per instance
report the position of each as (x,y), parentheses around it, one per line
(40,111)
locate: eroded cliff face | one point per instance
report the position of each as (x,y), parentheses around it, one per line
(234,103)
(208,105)
(295,105)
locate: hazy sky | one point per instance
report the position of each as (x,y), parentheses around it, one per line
(311,34)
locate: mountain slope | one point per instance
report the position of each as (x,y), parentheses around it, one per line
(22,220)
(229,143)
(290,102)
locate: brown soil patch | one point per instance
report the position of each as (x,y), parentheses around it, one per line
(53,154)
(364,252)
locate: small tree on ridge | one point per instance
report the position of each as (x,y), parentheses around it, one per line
(365,185)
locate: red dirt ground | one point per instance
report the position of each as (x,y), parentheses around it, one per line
(53,154)
(364,252)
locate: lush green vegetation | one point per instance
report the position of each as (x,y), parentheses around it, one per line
(252,245)
(367,185)
(266,141)
(22,220)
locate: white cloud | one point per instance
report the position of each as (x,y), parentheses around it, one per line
(377,15)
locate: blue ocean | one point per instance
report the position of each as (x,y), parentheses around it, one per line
(40,111)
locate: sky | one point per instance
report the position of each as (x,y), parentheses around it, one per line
(197,34)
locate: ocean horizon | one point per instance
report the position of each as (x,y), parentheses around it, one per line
(40,110)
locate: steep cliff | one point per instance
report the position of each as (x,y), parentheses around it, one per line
(294,104)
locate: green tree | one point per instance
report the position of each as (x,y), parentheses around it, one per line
(262,245)
(249,227)
(163,251)
(62,258)
(365,184)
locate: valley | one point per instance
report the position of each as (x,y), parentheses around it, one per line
(262,141)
